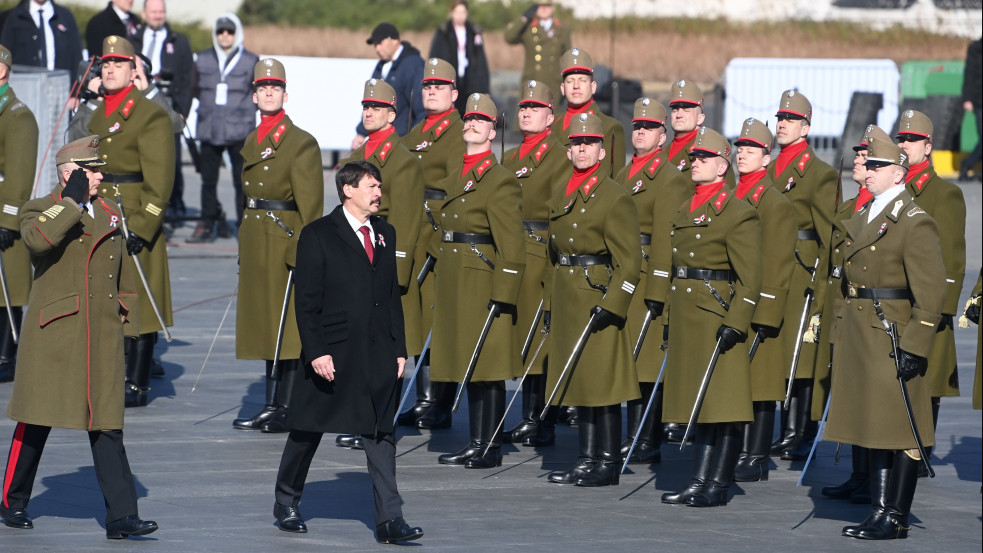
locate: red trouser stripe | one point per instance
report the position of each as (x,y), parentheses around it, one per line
(15,446)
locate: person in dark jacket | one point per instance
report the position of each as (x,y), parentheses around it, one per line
(116,19)
(973,101)
(222,80)
(459,42)
(401,66)
(351,326)
(61,46)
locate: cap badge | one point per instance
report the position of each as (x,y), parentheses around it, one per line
(870,128)
(433,61)
(790,93)
(681,84)
(582,117)
(749,122)
(475,97)
(268,62)
(575,52)
(532,84)
(703,131)
(373,82)
(646,101)
(112,39)
(909,114)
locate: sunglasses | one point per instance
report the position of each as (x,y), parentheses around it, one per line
(224,32)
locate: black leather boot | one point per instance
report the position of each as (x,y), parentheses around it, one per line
(587,437)
(268,411)
(704,446)
(530,412)
(493,409)
(879,466)
(545,428)
(901,491)
(727,448)
(8,348)
(569,415)
(787,425)
(758,439)
(798,449)
(439,415)
(277,424)
(476,418)
(607,468)
(424,396)
(674,432)
(936,403)
(138,375)
(646,450)
(858,480)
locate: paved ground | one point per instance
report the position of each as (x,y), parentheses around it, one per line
(210,487)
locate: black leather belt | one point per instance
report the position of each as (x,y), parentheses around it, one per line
(584,260)
(272,205)
(705,274)
(810,234)
(535,225)
(465,237)
(120,178)
(432,194)
(646,239)
(854,291)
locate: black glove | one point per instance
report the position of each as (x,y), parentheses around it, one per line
(7,238)
(530,13)
(728,337)
(655,308)
(547,318)
(910,366)
(502,307)
(604,318)
(77,187)
(946,322)
(973,313)
(135,244)
(765,330)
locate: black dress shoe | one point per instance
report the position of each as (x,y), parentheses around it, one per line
(682,496)
(489,460)
(129,526)
(16,518)
(277,424)
(413,414)
(289,518)
(460,457)
(353,441)
(522,430)
(396,530)
(438,416)
(257,421)
(545,435)
(582,468)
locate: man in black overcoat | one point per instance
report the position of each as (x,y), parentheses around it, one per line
(351,330)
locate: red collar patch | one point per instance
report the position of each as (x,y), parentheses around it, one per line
(385,150)
(803,161)
(655,165)
(128,108)
(921,181)
(757,192)
(589,185)
(541,150)
(279,132)
(720,200)
(481,168)
(441,127)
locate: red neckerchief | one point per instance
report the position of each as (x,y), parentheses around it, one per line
(530,142)
(113,100)
(431,120)
(579,176)
(703,193)
(679,141)
(863,197)
(914,170)
(267,123)
(748,181)
(571,111)
(470,160)
(376,139)
(787,154)
(638,162)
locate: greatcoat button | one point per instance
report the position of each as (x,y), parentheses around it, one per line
(688,290)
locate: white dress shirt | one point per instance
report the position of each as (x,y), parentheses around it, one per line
(356,224)
(42,18)
(883,200)
(155,39)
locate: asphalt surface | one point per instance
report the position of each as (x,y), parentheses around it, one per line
(210,487)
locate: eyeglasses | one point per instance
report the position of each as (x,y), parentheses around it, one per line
(224,32)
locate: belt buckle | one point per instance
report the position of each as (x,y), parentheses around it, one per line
(251,203)
(564,259)
(447,236)
(851,290)
(837,271)
(681,272)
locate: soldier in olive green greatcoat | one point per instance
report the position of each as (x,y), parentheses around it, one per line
(944,202)
(657,190)
(18,160)
(436,142)
(597,257)
(539,163)
(544,38)
(283,184)
(811,186)
(893,273)
(973,314)
(716,286)
(481,255)
(134,133)
(778,255)
(578,88)
(70,372)
(855,488)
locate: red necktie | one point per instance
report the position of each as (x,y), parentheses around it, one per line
(368,242)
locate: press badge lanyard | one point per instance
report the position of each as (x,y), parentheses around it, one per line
(222,88)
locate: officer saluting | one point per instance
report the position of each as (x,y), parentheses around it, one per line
(768,368)
(538,162)
(18,161)
(716,286)
(283,184)
(893,271)
(597,258)
(134,133)
(657,193)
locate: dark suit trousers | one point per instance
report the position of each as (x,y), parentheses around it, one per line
(380,455)
(108,457)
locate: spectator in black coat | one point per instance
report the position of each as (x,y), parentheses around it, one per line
(116,19)
(459,42)
(20,35)
(973,101)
